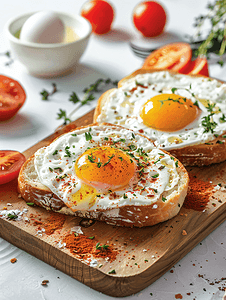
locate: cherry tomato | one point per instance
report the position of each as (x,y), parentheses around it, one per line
(149,17)
(100,14)
(199,66)
(12,97)
(10,164)
(175,57)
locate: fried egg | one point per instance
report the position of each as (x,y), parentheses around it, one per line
(174,110)
(106,166)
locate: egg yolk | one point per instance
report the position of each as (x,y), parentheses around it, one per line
(105,168)
(169,112)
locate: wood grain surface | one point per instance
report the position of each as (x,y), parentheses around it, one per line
(144,254)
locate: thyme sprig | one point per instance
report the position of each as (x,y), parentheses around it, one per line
(216,38)
(208,122)
(8,55)
(45,94)
(88,97)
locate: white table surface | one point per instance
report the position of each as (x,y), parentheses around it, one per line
(106,56)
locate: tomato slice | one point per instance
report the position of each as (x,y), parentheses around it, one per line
(12,97)
(175,57)
(10,164)
(199,66)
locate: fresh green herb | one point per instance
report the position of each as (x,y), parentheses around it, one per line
(208,123)
(63,115)
(138,83)
(164,199)
(215,42)
(98,247)
(30,203)
(99,164)
(174,90)
(51,170)
(55,152)
(68,153)
(110,158)
(132,147)
(125,196)
(112,272)
(120,140)
(12,216)
(222,119)
(91,237)
(74,98)
(106,138)
(155,162)
(210,107)
(176,163)
(74,134)
(220,142)
(91,158)
(133,136)
(88,97)
(155,176)
(88,136)
(8,55)
(196,103)
(45,94)
(63,176)
(161,167)
(103,247)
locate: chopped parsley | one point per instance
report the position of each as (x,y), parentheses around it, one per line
(88,136)
(208,123)
(155,176)
(68,153)
(55,152)
(164,199)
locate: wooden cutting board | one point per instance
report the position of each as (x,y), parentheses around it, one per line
(144,254)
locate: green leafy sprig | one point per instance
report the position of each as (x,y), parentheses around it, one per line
(88,97)
(216,38)
(45,94)
(8,55)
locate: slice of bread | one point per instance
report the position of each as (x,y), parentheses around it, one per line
(130,214)
(209,148)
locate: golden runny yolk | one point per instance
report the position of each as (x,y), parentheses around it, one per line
(169,112)
(105,168)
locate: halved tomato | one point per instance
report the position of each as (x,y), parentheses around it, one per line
(198,66)
(175,57)
(12,97)
(10,164)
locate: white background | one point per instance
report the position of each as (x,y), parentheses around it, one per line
(107,56)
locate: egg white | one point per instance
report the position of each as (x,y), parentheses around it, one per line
(64,183)
(123,107)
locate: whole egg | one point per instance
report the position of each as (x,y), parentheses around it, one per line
(43,27)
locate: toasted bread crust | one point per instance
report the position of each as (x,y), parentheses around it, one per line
(33,191)
(204,154)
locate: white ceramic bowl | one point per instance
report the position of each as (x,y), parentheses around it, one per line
(49,60)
